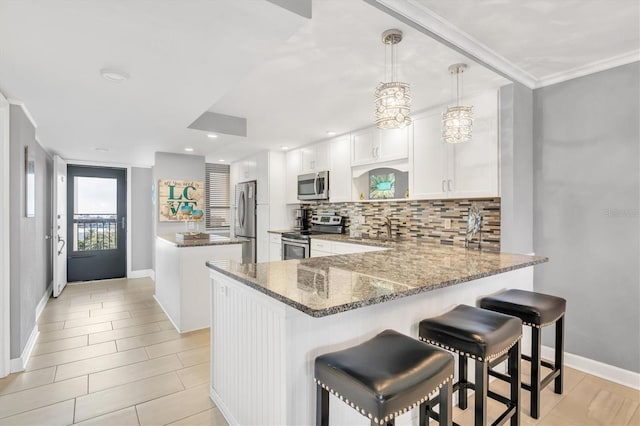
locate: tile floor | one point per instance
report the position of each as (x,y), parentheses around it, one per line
(107,355)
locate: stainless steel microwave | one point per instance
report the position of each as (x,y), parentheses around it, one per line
(313,186)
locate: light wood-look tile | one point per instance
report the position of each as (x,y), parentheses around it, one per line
(59,414)
(100,363)
(194,376)
(61,307)
(71,355)
(72,332)
(146,339)
(126,417)
(19,402)
(175,406)
(62,316)
(211,417)
(165,325)
(59,345)
(96,320)
(120,308)
(31,379)
(131,322)
(194,356)
(122,333)
(51,326)
(116,398)
(133,372)
(190,341)
(151,310)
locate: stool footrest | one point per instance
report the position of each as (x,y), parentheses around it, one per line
(543,362)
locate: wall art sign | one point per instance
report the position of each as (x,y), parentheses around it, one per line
(180,200)
(30,182)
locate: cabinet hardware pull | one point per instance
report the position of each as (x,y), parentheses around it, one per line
(449,185)
(443,189)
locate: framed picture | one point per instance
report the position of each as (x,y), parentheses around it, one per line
(180,200)
(30,182)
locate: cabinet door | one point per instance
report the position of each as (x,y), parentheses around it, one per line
(275,248)
(394,144)
(322,161)
(292,172)
(428,172)
(364,146)
(262,236)
(340,170)
(475,163)
(307,159)
(263,169)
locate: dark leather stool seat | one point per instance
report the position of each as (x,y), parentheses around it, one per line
(536,310)
(484,336)
(385,377)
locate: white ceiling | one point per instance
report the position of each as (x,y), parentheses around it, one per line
(292,78)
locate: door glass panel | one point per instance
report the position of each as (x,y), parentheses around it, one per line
(95,219)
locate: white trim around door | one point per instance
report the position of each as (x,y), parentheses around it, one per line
(5,277)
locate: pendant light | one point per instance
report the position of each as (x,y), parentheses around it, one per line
(392,99)
(457,121)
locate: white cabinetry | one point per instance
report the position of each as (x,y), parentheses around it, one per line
(321,248)
(465,170)
(275,248)
(372,145)
(315,158)
(292,171)
(340,170)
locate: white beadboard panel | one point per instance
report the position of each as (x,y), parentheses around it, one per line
(263,351)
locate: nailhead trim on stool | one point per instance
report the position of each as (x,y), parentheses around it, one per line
(468,355)
(390,417)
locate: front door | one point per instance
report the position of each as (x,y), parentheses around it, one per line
(96,231)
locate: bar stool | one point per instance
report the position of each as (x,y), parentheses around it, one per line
(485,337)
(385,377)
(536,310)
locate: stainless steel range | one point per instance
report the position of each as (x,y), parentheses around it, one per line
(297,244)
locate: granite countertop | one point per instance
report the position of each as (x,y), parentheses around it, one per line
(214,240)
(322,286)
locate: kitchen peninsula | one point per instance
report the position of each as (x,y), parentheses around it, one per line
(181,276)
(270,320)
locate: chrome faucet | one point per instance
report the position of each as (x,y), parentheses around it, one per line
(386,221)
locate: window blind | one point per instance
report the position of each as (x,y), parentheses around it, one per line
(217,212)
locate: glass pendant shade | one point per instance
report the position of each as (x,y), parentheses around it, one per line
(457,121)
(457,124)
(392,99)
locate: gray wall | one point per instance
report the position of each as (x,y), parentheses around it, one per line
(586,197)
(31,267)
(141,219)
(174,166)
(516,167)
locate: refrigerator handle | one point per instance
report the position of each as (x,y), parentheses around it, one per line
(241,208)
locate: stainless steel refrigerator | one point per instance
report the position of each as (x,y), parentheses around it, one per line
(245,221)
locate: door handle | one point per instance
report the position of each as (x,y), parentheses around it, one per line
(124,224)
(60,240)
(443,188)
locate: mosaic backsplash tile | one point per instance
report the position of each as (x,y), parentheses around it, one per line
(423,219)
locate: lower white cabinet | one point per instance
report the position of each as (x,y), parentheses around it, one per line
(275,247)
(321,248)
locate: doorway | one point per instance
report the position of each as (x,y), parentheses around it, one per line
(96,223)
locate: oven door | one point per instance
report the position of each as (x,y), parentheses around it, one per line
(294,249)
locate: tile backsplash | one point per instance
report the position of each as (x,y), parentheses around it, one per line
(424,219)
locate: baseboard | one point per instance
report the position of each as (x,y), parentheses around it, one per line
(152,275)
(141,273)
(43,302)
(19,364)
(167,314)
(597,368)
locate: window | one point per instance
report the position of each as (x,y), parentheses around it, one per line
(217,212)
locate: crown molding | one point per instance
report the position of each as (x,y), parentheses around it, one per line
(442,30)
(24,108)
(593,67)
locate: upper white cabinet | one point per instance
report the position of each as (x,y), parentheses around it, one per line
(465,170)
(340,170)
(372,145)
(314,158)
(292,170)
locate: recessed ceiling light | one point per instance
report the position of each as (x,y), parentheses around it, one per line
(212,136)
(114,75)
(221,160)
(331,133)
(102,149)
(188,149)
(284,147)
